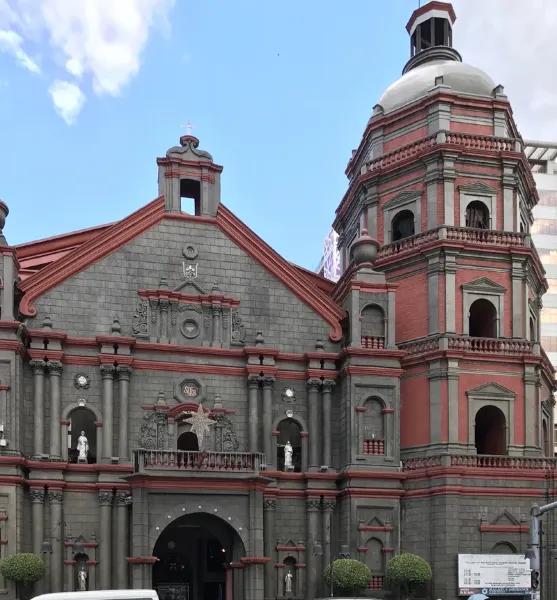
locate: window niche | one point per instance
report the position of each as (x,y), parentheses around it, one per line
(190,196)
(374,427)
(372,323)
(289,430)
(485,318)
(403,215)
(478,203)
(82,419)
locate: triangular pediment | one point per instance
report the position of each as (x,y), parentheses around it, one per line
(478,187)
(188,283)
(491,390)
(376,522)
(290,543)
(505,518)
(484,284)
(402,198)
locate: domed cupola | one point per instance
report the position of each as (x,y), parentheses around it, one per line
(434,63)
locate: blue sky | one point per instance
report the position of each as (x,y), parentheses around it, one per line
(279,93)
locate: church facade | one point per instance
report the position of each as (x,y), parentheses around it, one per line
(215,422)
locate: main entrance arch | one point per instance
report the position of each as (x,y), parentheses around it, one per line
(194,554)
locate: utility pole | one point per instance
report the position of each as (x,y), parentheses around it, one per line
(533,553)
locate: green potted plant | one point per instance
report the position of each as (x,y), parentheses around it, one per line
(24,570)
(408,572)
(350,577)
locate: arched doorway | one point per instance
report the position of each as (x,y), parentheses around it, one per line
(194,554)
(188,442)
(491,431)
(482,319)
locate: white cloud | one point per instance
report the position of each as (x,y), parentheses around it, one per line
(11,42)
(513,41)
(94,41)
(68,100)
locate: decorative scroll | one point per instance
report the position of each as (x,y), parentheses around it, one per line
(238,329)
(226,440)
(153,433)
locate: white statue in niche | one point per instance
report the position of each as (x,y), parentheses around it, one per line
(82,447)
(288,582)
(82,579)
(288,456)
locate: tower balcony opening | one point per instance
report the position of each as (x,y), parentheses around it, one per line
(491,431)
(402,225)
(482,319)
(477,215)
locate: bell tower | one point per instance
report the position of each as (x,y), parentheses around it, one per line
(431,26)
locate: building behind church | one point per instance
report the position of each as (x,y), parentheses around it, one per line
(183,408)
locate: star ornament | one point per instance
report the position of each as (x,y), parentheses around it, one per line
(200,424)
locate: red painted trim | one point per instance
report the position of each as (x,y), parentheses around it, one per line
(92,251)
(374,528)
(314,278)
(280,566)
(387,550)
(255,560)
(65,421)
(4,387)
(362,549)
(255,247)
(70,563)
(441,6)
(300,566)
(504,528)
(142,560)
(304,434)
(388,411)
(290,548)
(3,518)
(98,424)
(205,483)
(190,218)
(236,565)
(377,371)
(4,542)
(92,563)
(361,409)
(276,433)
(39,354)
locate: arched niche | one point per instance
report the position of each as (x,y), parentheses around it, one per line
(374,426)
(303,433)
(187,442)
(375,557)
(81,572)
(545,439)
(94,438)
(503,548)
(289,591)
(289,430)
(491,431)
(482,319)
(82,421)
(373,327)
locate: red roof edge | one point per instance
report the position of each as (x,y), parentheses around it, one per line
(447,6)
(321,282)
(286,273)
(90,252)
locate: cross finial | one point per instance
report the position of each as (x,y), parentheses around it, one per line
(189,128)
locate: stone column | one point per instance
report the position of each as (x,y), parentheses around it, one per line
(105,542)
(253,410)
(56,499)
(268,384)
(37,518)
(164,306)
(38,367)
(124,374)
(269,509)
(217,334)
(107,372)
(312,507)
(313,423)
(123,500)
(328,512)
(55,370)
(328,385)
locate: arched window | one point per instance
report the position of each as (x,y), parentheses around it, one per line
(81,572)
(375,560)
(482,319)
(477,215)
(491,431)
(503,548)
(289,431)
(373,327)
(190,196)
(533,335)
(188,442)
(82,422)
(402,225)
(545,439)
(374,427)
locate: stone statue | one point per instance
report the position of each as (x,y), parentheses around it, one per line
(288,582)
(82,579)
(288,456)
(82,447)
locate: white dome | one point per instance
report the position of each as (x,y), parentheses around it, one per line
(416,83)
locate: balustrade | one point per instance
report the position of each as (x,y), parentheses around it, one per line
(178,460)
(478,462)
(472,345)
(374,447)
(376,583)
(376,343)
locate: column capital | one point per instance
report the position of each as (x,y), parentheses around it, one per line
(105,498)
(164,305)
(269,504)
(123,499)
(37,495)
(313,384)
(268,382)
(313,504)
(55,496)
(328,385)
(253,381)
(124,372)
(329,505)
(55,368)
(38,366)
(108,371)
(216,310)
